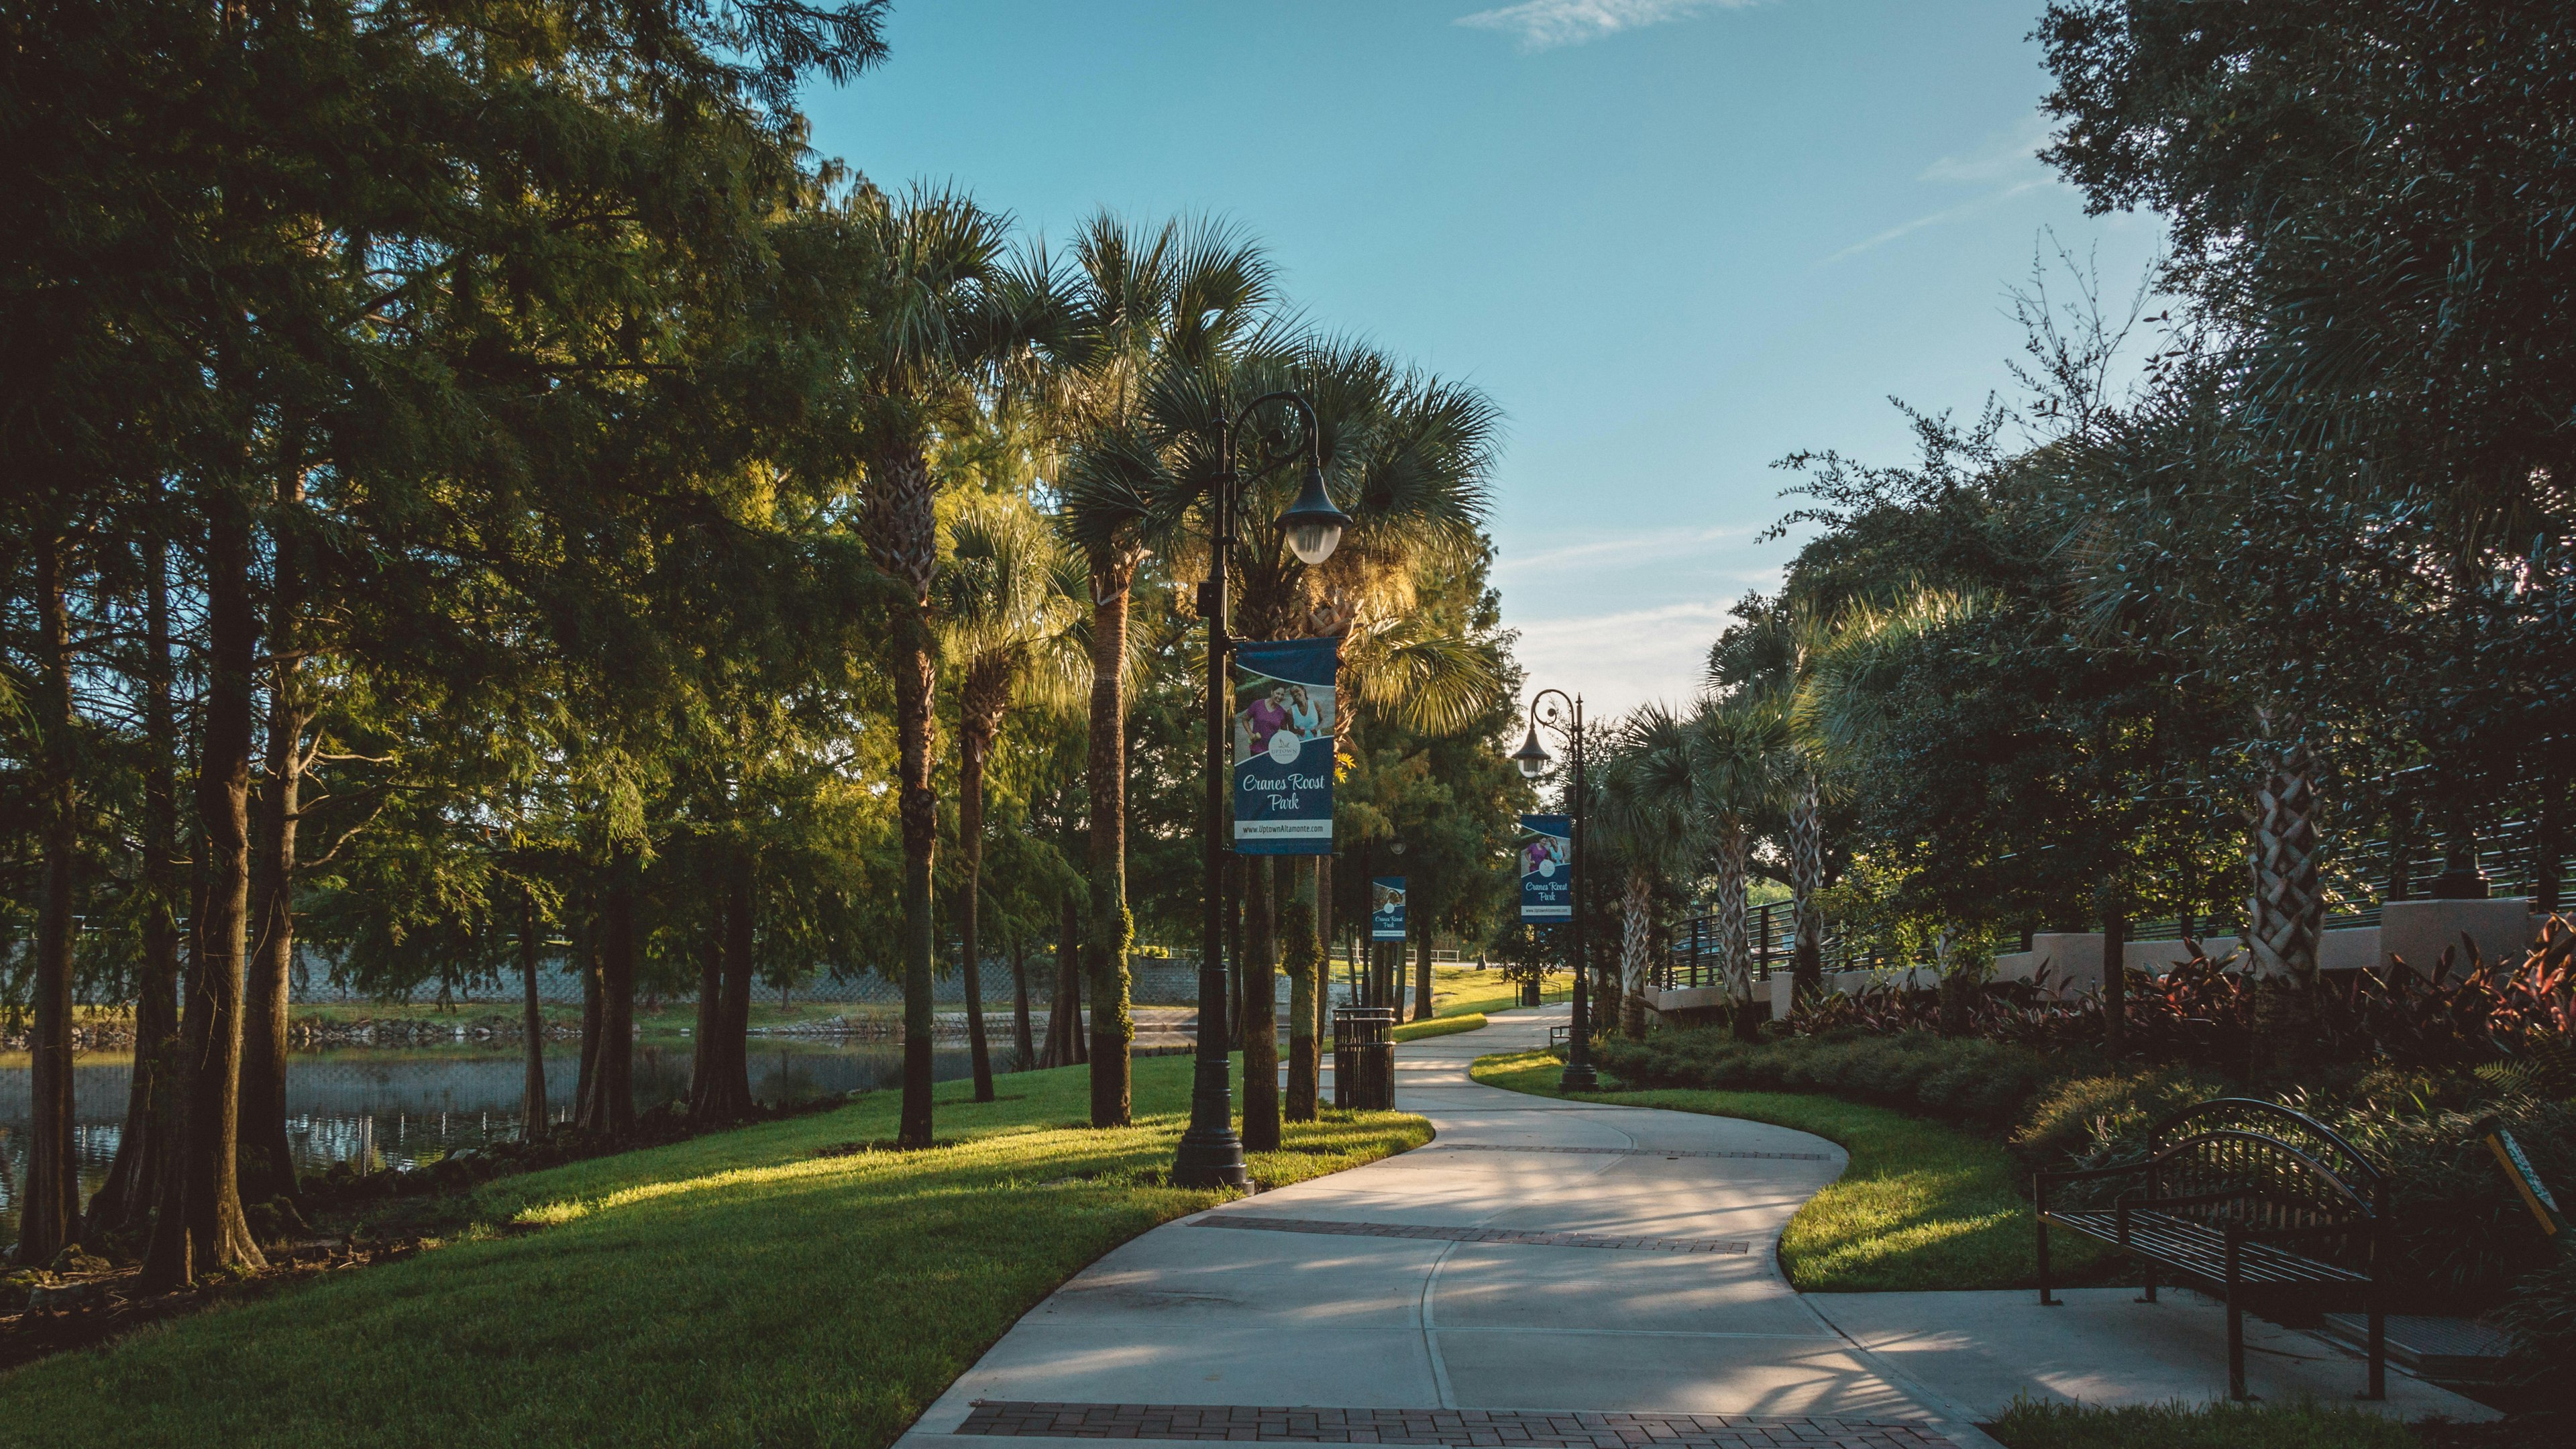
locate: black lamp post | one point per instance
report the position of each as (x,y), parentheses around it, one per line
(1211,1153)
(1534,761)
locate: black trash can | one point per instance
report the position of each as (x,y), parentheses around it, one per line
(1529,993)
(1364,1057)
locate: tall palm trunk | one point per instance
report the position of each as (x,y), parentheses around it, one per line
(1807,885)
(985,696)
(1636,951)
(49,1218)
(1734,924)
(2287,912)
(2115,980)
(903,534)
(1304,957)
(1113,1026)
(1323,946)
(532,1100)
(207,1229)
(145,1149)
(1261,1006)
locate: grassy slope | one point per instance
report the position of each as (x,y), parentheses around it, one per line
(731,1290)
(1922,1205)
(1466,991)
(1439,1026)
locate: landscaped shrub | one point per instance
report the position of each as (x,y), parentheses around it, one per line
(2541,1316)
(2082,1121)
(1964,1079)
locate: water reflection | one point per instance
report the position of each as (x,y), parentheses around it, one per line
(395,1107)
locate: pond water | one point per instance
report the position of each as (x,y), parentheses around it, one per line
(382,1107)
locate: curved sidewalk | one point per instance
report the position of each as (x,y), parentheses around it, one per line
(1543,1273)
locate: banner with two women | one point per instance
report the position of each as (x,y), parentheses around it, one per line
(1283,746)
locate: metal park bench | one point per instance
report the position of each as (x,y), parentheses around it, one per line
(2249,1201)
(1559,1034)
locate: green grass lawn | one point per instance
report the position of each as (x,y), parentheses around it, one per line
(1922,1205)
(1466,991)
(672,1018)
(737,1289)
(1440,1026)
(2210,1426)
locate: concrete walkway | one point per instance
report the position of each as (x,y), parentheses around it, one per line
(1543,1274)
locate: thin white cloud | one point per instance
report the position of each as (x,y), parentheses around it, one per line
(1630,548)
(1622,660)
(2005,166)
(1548,24)
(1947,213)
(2009,156)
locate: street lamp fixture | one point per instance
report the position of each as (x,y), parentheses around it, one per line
(1313,524)
(1534,761)
(1532,756)
(1211,1151)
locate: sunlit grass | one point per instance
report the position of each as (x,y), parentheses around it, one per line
(2029,1425)
(742,1288)
(1439,1026)
(1922,1205)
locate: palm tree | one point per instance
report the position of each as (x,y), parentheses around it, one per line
(1745,763)
(1406,454)
(1137,306)
(943,312)
(1650,819)
(1012,601)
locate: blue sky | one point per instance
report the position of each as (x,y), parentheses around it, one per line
(1674,239)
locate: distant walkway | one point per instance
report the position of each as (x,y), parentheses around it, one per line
(1550,1274)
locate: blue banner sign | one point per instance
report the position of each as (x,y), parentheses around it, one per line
(1547,868)
(1386,908)
(1283,746)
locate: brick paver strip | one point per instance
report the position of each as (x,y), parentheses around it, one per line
(1625,1151)
(1473,1428)
(1470,1235)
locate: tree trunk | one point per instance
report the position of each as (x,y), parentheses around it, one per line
(267,1164)
(1023,1047)
(707,1060)
(1422,971)
(49,1216)
(1323,946)
(2115,981)
(733,1100)
(1234,874)
(985,695)
(1636,953)
(1304,957)
(2288,907)
(1069,1043)
(609,1111)
(1260,1011)
(1734,928)
(1807,883)
(916,684)
(532,1101)
(145,1149)
(590,1017)
(1113,1028)
(208,1231)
